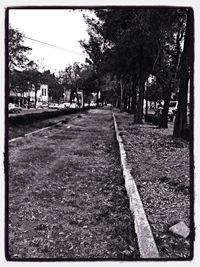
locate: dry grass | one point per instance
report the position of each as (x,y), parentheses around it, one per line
(19,130)
(66,194)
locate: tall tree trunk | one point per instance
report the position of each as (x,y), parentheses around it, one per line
(97,97)
(133,96)
(134,101)
(164,118)
(125,102)
(78,102)
(35,96)
(146,107)
(121,95)
(181,117)
(129,103)
(139,111)
(28,102)
(83,99)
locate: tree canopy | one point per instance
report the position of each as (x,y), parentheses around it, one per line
(17,52)
(133,43)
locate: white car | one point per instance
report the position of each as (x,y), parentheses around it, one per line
(61,106)
(53,106)
(173,106)
(92,104)
(73,105)
(66,105)
(42,105)
(12,108)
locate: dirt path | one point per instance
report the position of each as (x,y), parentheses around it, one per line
(66,193)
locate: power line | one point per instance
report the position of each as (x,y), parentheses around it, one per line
(53,46)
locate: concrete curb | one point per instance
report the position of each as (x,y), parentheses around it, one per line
(36,131)
(146,242)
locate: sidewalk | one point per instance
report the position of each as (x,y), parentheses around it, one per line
(160,167)
(66,193)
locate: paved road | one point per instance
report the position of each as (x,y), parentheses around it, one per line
(66,193)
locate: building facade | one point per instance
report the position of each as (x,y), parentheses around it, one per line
(22,98)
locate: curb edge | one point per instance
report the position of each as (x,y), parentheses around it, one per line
(146,242)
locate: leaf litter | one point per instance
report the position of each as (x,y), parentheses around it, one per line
(160,166)
(66,194)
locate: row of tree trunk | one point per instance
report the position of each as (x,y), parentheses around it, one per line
(132,100)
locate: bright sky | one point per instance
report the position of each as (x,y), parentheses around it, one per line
(63,28)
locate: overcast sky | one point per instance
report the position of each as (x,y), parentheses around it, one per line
(62,28)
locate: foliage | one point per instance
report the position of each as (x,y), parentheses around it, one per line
(17,52)
(133,43)
(153,92)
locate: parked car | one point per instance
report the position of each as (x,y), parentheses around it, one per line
(93,104)
(61,106)
(66,105)
(173,106)
(14,108)
(158,113)
(54,106)
(42,105)
(73,105)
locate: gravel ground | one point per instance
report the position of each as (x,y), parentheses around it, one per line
(160,167)
(66,194)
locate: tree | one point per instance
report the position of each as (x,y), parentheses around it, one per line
(167,61)
(121,38)
(70,79)
(87,82)
(132,44)
(153,92)
(17,52)
(185,69)
(34,77)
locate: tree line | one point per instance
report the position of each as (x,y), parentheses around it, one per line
(25,74)
(133,54)
(130,45)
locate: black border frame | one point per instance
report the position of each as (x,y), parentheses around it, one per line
(191,138)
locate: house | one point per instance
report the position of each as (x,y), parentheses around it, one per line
(42,93)
(22,98)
